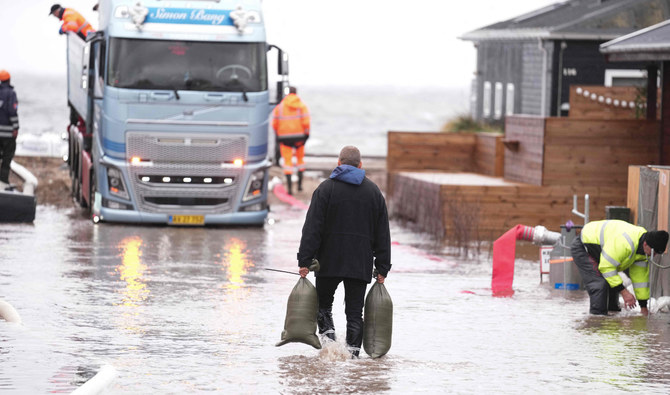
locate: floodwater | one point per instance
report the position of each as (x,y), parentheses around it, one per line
(189,310)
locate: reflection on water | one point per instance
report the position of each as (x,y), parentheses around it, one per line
(131,270)
(235,262)
(623,343)
(309,375)
(184,310)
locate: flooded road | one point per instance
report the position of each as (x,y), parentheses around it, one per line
(186,310)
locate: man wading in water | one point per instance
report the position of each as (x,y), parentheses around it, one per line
(347,230)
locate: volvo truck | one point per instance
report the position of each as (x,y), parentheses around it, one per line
(169,112)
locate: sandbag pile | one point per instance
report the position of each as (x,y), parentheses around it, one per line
(377,321)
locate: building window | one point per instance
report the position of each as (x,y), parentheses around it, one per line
(614,77)
(498,101)
(509,100)
(486,102)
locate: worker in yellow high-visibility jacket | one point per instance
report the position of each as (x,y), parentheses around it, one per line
(608,247)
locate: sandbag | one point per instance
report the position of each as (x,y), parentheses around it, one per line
(301,312)
(377,321)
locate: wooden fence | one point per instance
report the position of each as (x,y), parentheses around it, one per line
(608,102)
(580,152)
(445,151)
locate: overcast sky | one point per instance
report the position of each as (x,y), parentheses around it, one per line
(352,42)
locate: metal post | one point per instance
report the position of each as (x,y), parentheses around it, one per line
(585,215)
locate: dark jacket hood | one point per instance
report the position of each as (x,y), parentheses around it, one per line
(349,174)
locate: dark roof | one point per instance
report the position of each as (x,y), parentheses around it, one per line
(577,20)
(652,43)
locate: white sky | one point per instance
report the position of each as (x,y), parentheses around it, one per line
(344,42)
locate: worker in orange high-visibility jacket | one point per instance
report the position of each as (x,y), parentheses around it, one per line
(72,21)
(291,124)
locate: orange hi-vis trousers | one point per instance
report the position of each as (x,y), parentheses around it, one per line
(287,154)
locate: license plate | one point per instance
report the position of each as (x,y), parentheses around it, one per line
(186,220)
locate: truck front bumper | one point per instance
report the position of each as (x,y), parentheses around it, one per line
(129,216)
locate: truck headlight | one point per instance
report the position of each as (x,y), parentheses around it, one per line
(255,185)
(117,186)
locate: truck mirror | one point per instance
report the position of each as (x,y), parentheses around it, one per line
(95,36)
(282,67)
(86,54)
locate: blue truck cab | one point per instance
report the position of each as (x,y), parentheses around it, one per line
(170,106)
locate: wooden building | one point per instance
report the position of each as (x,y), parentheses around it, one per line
(649,186)
(527,64)
(651,47)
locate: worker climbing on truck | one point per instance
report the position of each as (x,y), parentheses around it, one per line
(291,124)
(72,21)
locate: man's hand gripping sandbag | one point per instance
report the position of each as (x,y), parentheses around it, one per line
(301,312)
(377,321)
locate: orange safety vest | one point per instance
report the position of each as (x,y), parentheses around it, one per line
(74,22)
(291,121)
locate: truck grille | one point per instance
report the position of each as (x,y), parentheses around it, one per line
(162,187)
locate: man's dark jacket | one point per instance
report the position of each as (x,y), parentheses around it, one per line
(346,227)
(9,119)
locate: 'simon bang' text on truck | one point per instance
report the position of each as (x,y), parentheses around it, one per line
(170,103)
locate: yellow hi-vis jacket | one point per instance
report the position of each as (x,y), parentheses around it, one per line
(619,242)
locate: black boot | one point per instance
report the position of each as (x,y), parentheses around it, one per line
(289,185)
(300,181)
(325,322)
(354,337)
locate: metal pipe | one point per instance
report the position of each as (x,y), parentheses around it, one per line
(586,209)
(585,215)
(29,180)
(543,94)
(9,313)
(282,271)
(99,382)
(559,94)
(543,236)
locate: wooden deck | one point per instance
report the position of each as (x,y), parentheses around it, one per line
(443,204)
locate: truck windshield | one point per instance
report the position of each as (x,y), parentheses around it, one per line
(187,65)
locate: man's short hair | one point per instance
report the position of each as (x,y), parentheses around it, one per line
(292,89)
(54,8)
(658,240)
(350,155)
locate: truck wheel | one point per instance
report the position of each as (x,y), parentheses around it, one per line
(70,152)
(76,193)
(91,197)
(74,173)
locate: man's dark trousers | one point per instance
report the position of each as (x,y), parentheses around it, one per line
(7,148)
(598,288)
(354,299)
